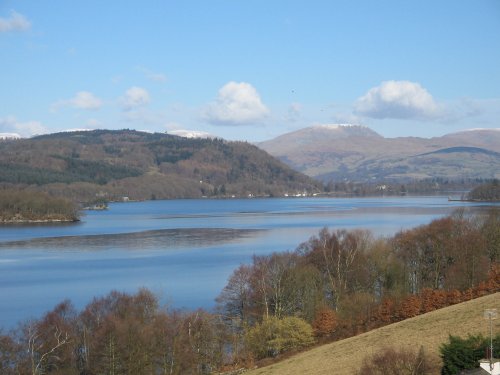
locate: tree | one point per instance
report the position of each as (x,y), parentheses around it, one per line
(10,355)
(269,281)
(235,301)
(490,228)
(326,322)
(462,354)
(336,254)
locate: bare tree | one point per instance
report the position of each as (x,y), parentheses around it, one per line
(40,352)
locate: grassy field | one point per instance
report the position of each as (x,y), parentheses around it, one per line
(429,330)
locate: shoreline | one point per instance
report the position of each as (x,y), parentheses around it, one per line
(37,221)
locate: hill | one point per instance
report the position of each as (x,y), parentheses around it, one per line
(430,330)
(356,153)
(109,165)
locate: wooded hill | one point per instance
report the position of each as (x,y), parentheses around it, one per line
(111,164)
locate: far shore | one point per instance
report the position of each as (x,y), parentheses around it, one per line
(38,221)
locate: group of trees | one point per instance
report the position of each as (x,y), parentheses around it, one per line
(115,334)
(337,284)
(27,205)
(347,282)
(486,192)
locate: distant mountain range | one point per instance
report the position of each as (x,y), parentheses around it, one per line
(112,164)
(357,153)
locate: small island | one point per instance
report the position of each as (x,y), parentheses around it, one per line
(489,192)
(29,206)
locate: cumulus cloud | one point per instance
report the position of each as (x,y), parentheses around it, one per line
(134,97)
(398,100)
(81,100)
(236,104)
(86,100)
(15,22)
(25,129)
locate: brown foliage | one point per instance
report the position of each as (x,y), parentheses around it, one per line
(386,311)
(410,307)
(325,322)
(402,361)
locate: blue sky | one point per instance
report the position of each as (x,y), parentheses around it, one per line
(249,70)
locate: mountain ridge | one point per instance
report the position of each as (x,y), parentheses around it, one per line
(363,155)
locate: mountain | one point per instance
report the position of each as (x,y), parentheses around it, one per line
(356,153)
(4,136)
(109,165)
(191,133)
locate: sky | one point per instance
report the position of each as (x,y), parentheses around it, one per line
(249,69)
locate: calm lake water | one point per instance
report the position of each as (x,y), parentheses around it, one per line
(184,250)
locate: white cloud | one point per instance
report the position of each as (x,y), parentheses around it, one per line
(25,129)
(86,100)
(236,104)
(398,100)
(134,97)
(15,22)
(153,76)
(81,100)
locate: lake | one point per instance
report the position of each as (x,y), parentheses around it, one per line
(183,250)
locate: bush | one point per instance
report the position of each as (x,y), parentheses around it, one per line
(390,361)
(274,336)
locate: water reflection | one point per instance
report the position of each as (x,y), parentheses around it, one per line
(151,239)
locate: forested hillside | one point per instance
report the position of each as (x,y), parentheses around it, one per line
(106,164)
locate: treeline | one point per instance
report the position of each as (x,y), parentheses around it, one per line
(486,192)
(337,284)
(404,186)
(115,334)
(27,205)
